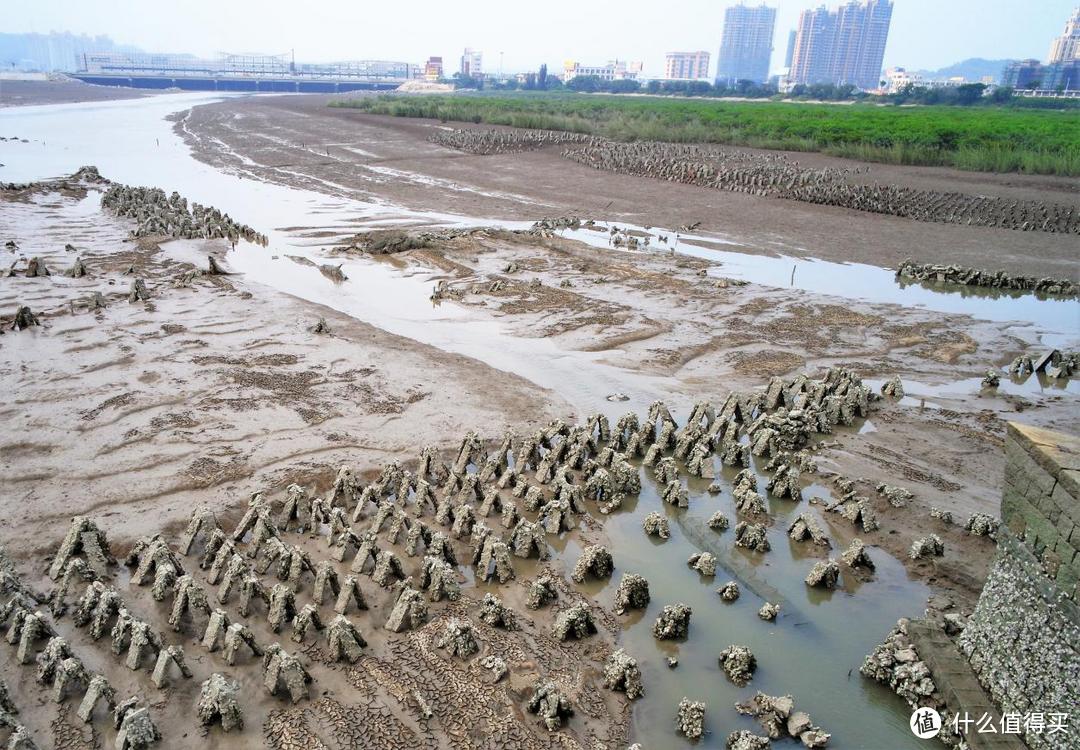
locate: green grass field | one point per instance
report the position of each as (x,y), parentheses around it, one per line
(987,139)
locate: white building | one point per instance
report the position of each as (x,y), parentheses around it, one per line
(615,70)
(1066,47)
(472,63)
(897,78)
(686,65)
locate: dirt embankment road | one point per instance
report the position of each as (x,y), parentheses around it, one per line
(299,140)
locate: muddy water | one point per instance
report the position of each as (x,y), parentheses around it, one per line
(300,223)
(814,649)
(1037,384)
(1057,319)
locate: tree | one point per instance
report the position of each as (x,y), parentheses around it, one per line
(969,93)
(463,81)
(541,78)
(624,86)
(847,91)
(585,84)
(1001,95)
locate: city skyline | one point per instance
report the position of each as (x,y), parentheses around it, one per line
(922,35)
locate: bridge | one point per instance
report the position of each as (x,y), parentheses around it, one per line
(230,72)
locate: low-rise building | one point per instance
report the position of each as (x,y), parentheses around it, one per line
(1033,75)
(433,68)
(472,63)
(897,79)
(686,65)
(615,70)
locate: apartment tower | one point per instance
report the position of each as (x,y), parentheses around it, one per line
(790,50)
(1066,47)
(686,65)
(472,63)
(815,42)
(845,46)
(746,44)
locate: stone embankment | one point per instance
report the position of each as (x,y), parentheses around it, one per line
(1023,639)
(1018,654)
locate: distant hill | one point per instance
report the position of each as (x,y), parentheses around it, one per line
(972,69)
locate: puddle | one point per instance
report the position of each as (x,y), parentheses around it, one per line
(1037,384)
(1059,318)
(812,651)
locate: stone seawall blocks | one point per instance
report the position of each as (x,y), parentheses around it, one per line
(1023,640)
(1040,504)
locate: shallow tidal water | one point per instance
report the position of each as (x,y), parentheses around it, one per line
(1057,318)
(812,651)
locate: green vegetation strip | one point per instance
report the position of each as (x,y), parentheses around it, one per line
(986,139)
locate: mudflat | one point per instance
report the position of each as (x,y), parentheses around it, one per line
(302,141)
(26,93)
(426,320)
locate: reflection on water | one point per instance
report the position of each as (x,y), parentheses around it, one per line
(855,281)
(1036,384)
(812,651)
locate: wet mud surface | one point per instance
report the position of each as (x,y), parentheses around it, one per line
(207,393)
(32,93)
(301,141)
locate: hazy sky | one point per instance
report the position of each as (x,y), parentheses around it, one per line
(925,34)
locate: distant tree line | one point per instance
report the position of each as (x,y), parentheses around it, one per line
(965,95)
(539,81)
